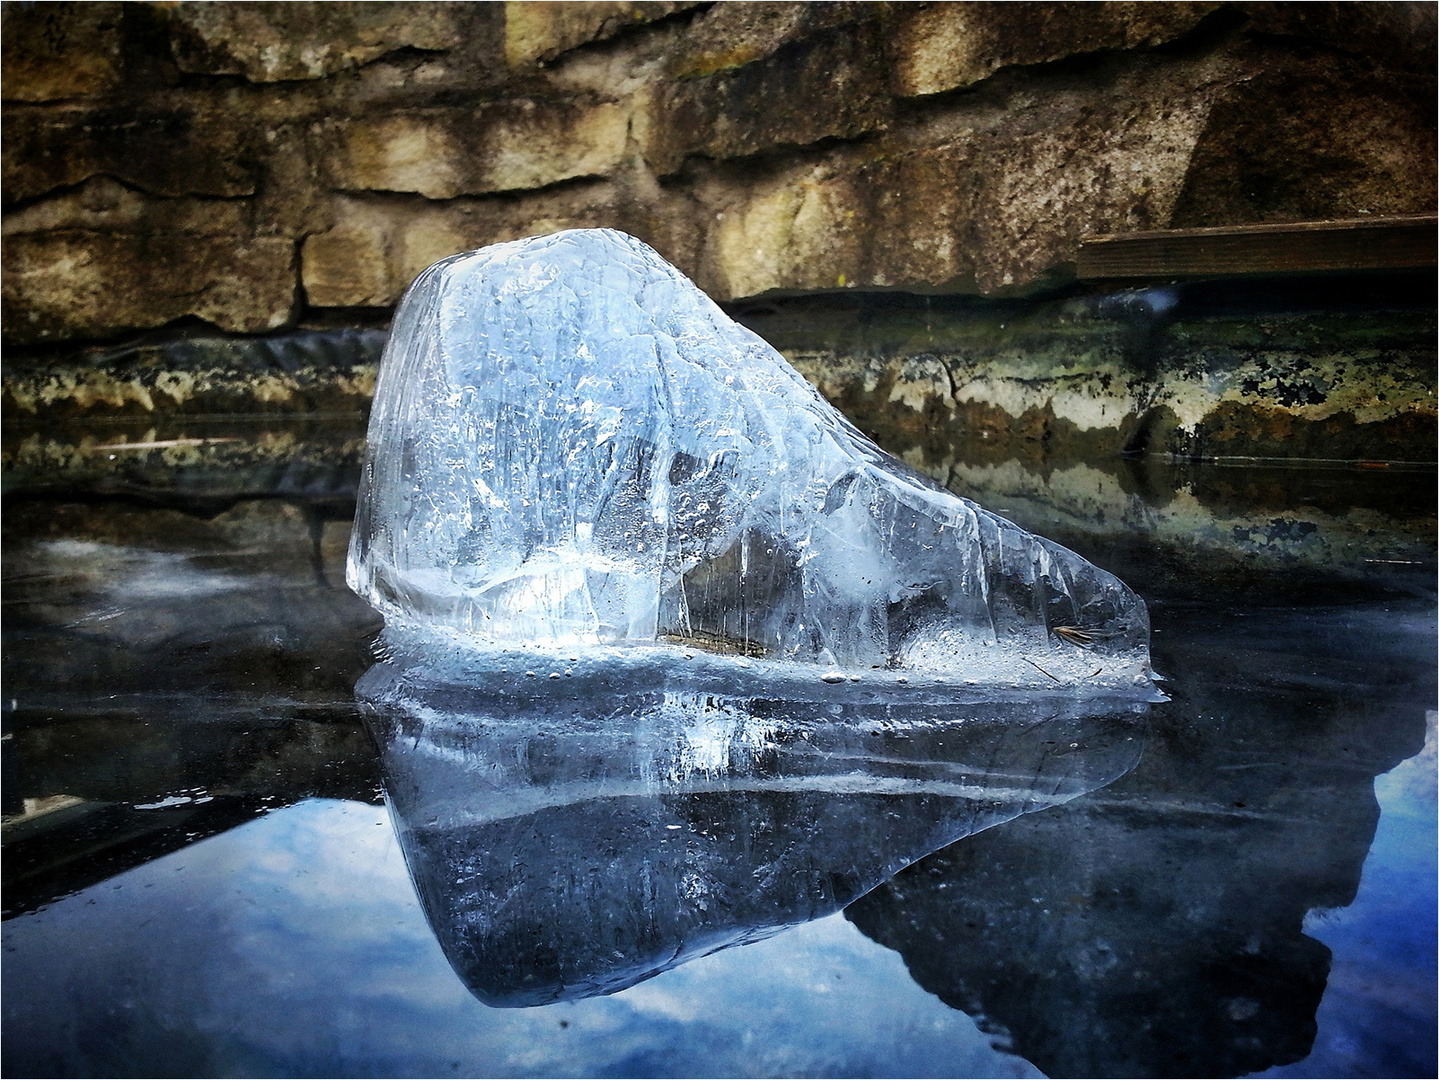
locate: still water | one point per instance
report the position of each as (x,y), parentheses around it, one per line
(217,861)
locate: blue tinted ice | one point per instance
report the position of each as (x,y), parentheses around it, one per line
(574,836)
(572,445)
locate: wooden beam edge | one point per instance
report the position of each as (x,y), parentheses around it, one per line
(1387,243)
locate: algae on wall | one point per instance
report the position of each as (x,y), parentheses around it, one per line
(1347,374)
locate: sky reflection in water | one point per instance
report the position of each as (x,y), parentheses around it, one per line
(1378,1016)
(296,945)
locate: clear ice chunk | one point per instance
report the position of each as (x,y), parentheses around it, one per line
(572,445)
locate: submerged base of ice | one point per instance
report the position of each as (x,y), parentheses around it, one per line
(438,657)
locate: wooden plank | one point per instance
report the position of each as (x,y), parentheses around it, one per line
(1393,243)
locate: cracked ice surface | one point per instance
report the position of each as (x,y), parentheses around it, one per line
(572,445)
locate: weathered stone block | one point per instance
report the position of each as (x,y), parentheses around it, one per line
(1007,193)
(939,47)
(1314,140)
(79,284)
(542,31)
(504,146)
(728,36)
(104,257)
(347,266)
(53,52)
(379,244)
(831,85)
(1396,36)
(196,148)
(274,42)
(108,206)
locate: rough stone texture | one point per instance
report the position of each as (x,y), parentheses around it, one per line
(764,147)
(57,51)
(505,146)
(83,284)
(1004,192)
(103,254)
(277,42)
(939,46)
(543,31)
(190,149)
(726,37)
(731,112)
(379,244)
(1317,120)
(103,205)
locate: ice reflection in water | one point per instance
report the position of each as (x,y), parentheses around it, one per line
(574,836)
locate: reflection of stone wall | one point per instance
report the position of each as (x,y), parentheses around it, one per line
(243,163)
(1155,928)
(1182,528)
(169,676)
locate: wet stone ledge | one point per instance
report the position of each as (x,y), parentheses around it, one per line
(197,373)
(1337,369)
(1234,428)
(198,419)
(1242,428)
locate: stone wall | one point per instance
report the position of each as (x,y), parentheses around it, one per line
(262,166)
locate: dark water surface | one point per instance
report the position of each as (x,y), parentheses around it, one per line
(660,870)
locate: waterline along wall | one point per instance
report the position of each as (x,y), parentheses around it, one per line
(1063,257)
